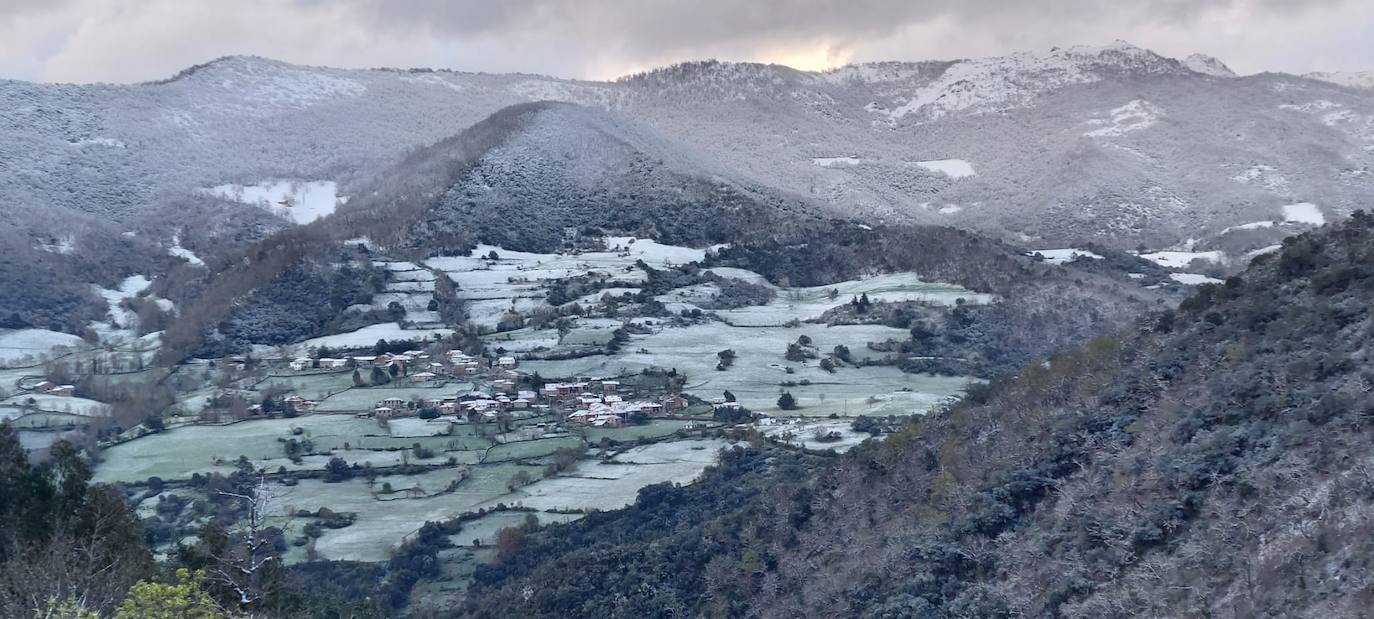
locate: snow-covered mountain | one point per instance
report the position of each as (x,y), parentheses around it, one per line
(1114,144)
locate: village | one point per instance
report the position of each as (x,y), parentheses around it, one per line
(551,400)
(494,390)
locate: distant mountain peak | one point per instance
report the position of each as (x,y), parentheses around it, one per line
(1015,80)
(1208,65)
(1352,79)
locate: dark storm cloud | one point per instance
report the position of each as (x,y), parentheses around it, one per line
(650,23)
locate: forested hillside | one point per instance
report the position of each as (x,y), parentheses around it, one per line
(1208,461)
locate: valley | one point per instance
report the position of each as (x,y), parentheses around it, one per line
(1028,335)
(592,374)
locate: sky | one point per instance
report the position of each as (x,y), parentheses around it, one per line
(140,40)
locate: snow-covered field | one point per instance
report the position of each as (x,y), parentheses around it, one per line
(953,168)
(367,336)
(759,369)
(1133,116)
(25,346)
(179,452)
(1268,249)
(810,303)
(59,404)
(299,201)
(1304,213)
(1180,259)
(1193,279)
(594,484)
(802,432)
(365,399)
(177,250)
(1254,225)
(1061,256)
(384,520)
(484,529)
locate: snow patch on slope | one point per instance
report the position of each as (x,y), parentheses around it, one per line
(22,344)
(836,162)
(1207,65)
(1303,213)
(1134,116)
(988,84)
(1061,256)
(1180,259)
(98,141)
(301,202)
(1193,279)
(185,254)
(1265,175)
(1254,225)
(953,168)
(1351,79)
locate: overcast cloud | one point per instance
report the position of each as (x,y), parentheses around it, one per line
(136,40)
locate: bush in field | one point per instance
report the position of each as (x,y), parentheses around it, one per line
(337,470)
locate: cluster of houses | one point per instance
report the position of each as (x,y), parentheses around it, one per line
(474,402)
(384,360)
(599,405)
(591,402)
(459,364)
(48,387)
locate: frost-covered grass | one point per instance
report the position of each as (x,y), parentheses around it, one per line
(810,303)
(802,432)
(657,428)
(32,440)
(740,274)
(385,520)
(521,450)
(366,398)
(313,386)
(179,452)
(300,202)
(488,313)
(367,336)
(759,368)
(523,340)
(597,485)
(407,427)
(484,529)
(58,404)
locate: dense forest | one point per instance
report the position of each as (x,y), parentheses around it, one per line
(1206,461)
